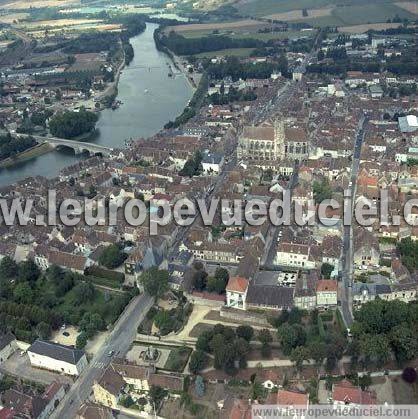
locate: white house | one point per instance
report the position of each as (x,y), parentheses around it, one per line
(55,357)
(236,292)
(295,255)
(212,162)
(326,293)
(7,346)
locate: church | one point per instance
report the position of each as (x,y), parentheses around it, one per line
(274,142)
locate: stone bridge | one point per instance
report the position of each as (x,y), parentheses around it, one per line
(78,146)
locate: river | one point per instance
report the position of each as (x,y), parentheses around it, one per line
(150,99)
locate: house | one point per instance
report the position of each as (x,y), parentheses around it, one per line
(326,293)
(295,255)
(33,406)
(56,357)
(7,346)
(344,393)
(236,292)
(109,388)
(366,248)
(305,290)
(93,411)
(290,403)
(212,162)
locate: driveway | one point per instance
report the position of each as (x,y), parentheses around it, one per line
(19,366)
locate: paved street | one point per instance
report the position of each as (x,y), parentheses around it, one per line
(118,341)
(347,274)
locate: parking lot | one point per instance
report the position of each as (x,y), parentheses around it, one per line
(19,365)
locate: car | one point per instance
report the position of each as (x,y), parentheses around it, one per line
(110,354)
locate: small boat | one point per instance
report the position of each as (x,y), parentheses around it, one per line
(146,91)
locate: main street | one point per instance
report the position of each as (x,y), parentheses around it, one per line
(347,259)
(119,341)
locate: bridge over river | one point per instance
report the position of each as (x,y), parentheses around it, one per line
(78,146)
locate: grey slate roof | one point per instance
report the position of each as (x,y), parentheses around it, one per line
(270,295)
(5,340)
(56,351)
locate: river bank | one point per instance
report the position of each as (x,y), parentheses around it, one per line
(35,151)
(150,98)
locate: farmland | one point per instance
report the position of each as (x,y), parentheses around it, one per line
(328,12)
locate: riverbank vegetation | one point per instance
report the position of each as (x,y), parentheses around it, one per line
(10,147)
(70,124)
(194,105)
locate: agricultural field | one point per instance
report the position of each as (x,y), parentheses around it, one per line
(260,8)
(297,15)
(232,52)
(410,6)
(221,26)
(328,12)
(366,27)
(26,4)
(12,17)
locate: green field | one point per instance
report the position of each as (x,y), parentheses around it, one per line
(268,7)
(233,52)
(369,13)
(358,12)
(246,34)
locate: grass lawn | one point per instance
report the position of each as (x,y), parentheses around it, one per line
(177,359)
(233,52)
(104,303)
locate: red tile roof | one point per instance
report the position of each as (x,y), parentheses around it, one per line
(237,284)
(347,393)
(292,398)
(324,285)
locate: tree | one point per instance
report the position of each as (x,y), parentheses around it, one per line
(375,347)
(43,330)
(8,268)
(23,293)
(28,271)
(222,274)
(200,279)
(215,285)
(81,340)
(199,386)
(317,351)
(365,381)
(291,336)
(409,375)
(326,270)
(264,336)
(164,322)
(404,342)
(197,361)
(203,341)
(70,124)
(156,394)
(155,282)
(84,292)
(297,356)
(321,190)
(112,256)
(245,332)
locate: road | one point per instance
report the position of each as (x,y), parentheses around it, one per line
(347,259)
(119,341)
